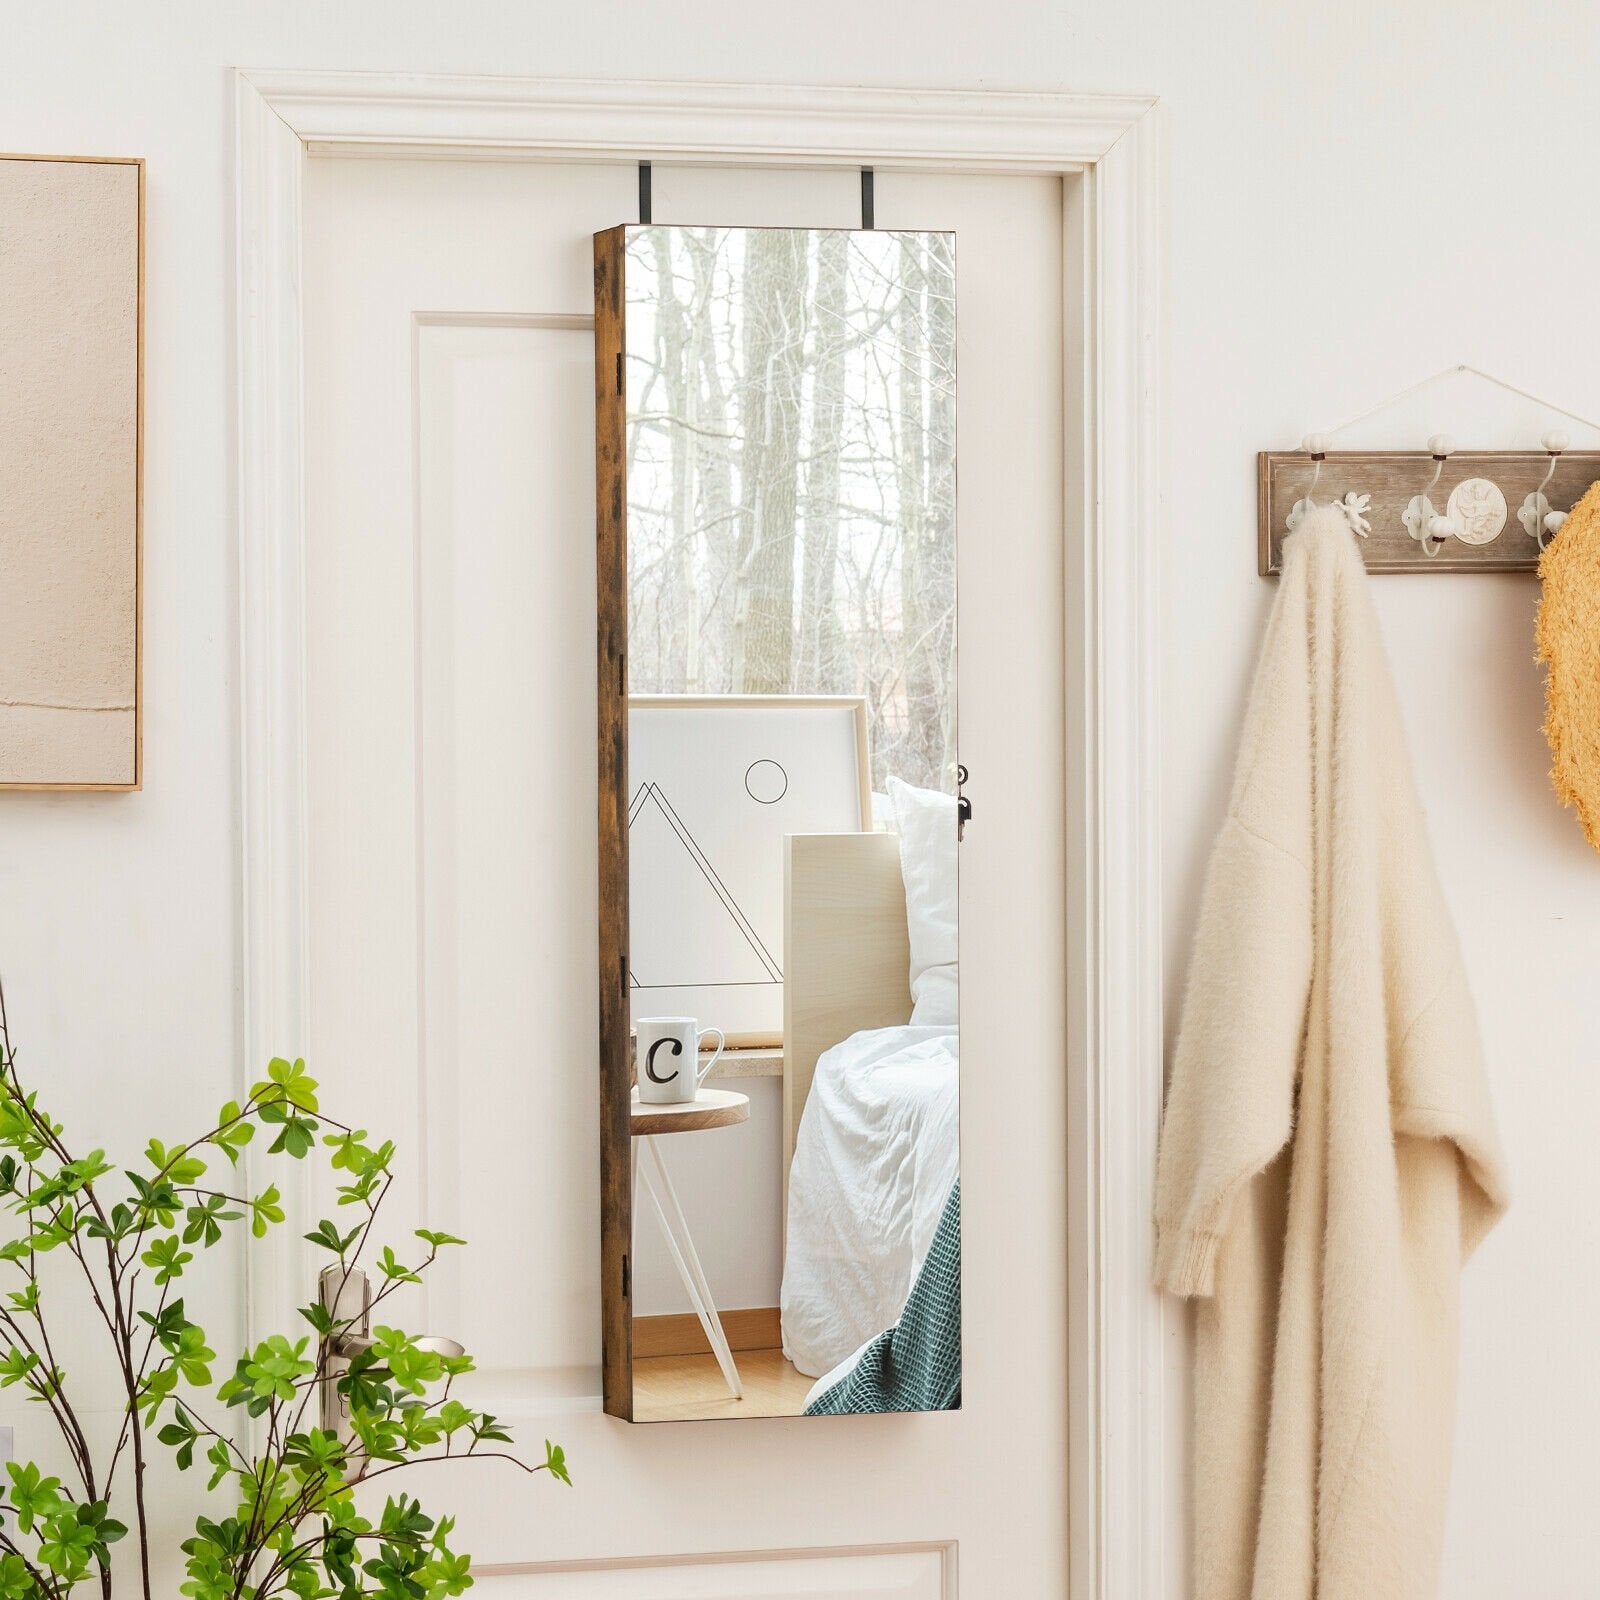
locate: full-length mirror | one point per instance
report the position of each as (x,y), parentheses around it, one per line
(778,821)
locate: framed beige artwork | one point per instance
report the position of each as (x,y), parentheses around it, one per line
(71,455)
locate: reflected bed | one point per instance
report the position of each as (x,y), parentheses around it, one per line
(871,1113)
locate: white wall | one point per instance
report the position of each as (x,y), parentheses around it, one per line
(1360,194)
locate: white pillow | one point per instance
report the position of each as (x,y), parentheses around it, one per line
(926,823)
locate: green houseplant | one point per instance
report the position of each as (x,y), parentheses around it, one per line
(290,1522)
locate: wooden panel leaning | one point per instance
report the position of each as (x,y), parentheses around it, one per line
(611,556)
(1393,478)
(846,954)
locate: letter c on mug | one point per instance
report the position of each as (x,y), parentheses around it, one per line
(650,1060)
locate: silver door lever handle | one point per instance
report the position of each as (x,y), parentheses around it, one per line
(346,1295)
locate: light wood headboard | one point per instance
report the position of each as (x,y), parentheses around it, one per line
(846,955)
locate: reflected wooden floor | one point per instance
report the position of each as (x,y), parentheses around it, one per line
(686,1388)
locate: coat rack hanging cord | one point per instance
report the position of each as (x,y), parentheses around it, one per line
(1450,508)
(1448,372)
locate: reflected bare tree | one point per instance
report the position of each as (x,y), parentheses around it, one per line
(792,475)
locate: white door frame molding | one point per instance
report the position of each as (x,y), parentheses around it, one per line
(1109,146)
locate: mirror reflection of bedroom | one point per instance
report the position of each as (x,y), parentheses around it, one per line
(780,810)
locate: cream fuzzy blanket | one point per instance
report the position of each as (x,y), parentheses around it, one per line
(1328,1156)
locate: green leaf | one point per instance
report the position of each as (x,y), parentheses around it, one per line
(205,1218)
(297,1138)
(79,1174)
(158,1385)
(182,1434)
(419,1428)
(191,1356)
(319,1317)
(380,1437)
(329,1237)
(286,1082)
(404,1519)
(555,1460)
(17,1128)
(168,1257)
(411,1368)
(106,1528)
(168,1324)
(455,1366)
(349,1153)
(15,1365)
(369,1167)
(488,1427)
(16,1582)
(447,1574)
(123,1221)
(395,1270)
(234,1131)
(157,1202)
(453,1416)
(363,1388)
(67,1546)
(264,1210)
(315,1454)
(274,1367)
(33,1496)
(220,1460)
(438,1240)
(176,1164)
(362,1190)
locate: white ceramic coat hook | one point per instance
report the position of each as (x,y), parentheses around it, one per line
(1315,445)
(1422,519)
(1352,505)
(1538,520)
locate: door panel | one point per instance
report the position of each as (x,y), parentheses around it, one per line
(502,409)
(450,601)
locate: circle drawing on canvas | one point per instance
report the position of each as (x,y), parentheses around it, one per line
(1479,510)
(765,781)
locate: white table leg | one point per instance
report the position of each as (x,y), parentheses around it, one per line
(680,1244)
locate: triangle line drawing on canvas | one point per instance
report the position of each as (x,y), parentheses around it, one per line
(651,794)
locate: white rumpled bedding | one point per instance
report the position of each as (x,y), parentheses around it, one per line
(877,1152)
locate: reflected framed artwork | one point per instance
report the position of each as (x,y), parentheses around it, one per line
(717,782)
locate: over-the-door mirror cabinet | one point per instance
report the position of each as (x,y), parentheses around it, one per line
(779,813)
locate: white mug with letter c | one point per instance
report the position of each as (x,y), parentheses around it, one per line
(667,1060)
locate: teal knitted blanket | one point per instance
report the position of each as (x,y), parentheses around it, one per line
(915,1365)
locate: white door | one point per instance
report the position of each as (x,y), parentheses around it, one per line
(451,613)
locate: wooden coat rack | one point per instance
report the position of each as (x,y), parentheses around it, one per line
(1433,510)
(1498,501)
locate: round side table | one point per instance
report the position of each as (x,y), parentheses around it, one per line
(710,1108)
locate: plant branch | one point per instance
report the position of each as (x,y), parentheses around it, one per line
(60,1408)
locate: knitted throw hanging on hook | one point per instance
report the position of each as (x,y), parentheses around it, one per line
(1569,645)
(1328,1155)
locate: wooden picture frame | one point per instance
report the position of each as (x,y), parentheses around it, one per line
(123,763)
